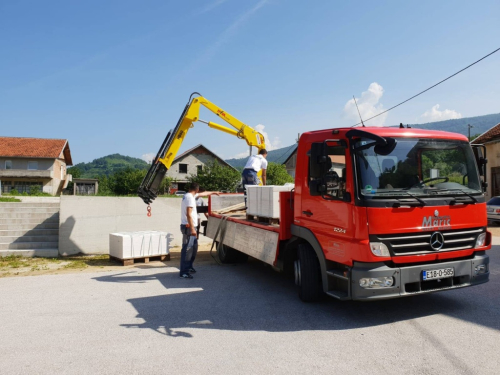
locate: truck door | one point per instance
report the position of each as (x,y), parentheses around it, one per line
(326,202)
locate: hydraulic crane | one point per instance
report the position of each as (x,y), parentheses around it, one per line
(148,190)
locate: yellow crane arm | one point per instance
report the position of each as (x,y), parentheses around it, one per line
(148,190)
(250,135)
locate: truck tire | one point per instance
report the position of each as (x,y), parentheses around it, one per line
(308,274)
(229,255)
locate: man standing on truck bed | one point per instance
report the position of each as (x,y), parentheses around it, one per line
(189,223)
(254,164)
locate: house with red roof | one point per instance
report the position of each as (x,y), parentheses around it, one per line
(491,139)
(189,163)
(29,162)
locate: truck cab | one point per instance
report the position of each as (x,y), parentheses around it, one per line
(387,212)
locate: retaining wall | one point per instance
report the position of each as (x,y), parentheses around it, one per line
(86,222)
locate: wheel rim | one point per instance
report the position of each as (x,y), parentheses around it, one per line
(296,268)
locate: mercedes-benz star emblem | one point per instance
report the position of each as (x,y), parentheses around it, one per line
(437,241)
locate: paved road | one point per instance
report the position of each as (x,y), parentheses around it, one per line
(244,319)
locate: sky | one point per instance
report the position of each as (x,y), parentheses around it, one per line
(114,76)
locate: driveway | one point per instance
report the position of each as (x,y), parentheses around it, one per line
(243,319)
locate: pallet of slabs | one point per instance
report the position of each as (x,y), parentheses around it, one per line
(131,247)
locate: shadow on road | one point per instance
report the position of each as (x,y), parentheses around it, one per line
(253,297)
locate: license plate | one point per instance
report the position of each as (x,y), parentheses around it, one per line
(490,209)
(438,274)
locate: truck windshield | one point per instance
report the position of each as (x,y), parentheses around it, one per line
(417,167)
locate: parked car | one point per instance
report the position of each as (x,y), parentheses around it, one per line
(493,210)
(180,192)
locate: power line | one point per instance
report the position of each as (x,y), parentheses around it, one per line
(414,96)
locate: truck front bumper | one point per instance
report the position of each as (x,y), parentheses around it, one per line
(408,281)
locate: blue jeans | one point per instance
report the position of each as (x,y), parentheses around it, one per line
(188,253)
(248,177)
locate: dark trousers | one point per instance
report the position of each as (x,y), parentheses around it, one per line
(248,177)
(188,253)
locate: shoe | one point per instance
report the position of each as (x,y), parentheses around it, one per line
(186,276)
(192,270)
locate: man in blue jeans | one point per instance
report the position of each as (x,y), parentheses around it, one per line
(189,223)
(254,164)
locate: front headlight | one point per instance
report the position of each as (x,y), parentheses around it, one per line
(376,282)
(379,249)
(480,240)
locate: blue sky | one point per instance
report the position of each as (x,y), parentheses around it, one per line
(114,76)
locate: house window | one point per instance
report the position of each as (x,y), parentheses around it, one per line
(8,164)
(32,165)
(200,168)
(183,168)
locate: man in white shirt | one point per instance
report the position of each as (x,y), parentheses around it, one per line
(254,164)
(189,223)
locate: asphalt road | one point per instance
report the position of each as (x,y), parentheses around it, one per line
(244,319)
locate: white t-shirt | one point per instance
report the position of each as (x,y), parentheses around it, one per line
(256,162)
(188,200)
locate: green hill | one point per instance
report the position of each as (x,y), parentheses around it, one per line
(108,165)
(480,124)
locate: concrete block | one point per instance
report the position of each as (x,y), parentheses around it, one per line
(130,245)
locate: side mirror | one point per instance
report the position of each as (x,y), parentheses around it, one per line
(480,156)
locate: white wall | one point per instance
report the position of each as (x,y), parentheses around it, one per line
(86,222)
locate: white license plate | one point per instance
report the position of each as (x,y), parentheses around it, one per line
(438,274)
(490,209)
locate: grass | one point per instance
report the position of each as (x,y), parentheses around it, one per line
(22,264)
(9,199)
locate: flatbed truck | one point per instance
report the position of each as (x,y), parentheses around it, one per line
(375,213)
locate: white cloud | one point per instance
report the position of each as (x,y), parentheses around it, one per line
(436,115)
(148,158)
(270,145)
(368,105)
(276,142)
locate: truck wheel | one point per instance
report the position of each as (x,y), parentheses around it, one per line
(308,274)
(229,255)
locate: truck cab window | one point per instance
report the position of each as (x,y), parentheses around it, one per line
(335,176)
(419,167)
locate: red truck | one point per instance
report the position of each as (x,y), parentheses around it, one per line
(375,213)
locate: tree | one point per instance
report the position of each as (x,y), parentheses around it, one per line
(127,181)
(215,177)
(277,174)
(165,185)
(75,172)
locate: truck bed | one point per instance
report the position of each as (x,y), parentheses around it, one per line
(258,239)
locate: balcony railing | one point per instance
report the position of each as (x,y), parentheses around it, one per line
(23,173)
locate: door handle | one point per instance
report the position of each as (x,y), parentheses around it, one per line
(308,213)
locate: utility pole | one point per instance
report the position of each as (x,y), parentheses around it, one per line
(469,126)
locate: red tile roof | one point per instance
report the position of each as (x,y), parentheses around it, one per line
(492,134)
(35,148)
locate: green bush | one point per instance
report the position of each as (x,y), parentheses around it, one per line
(35,190)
